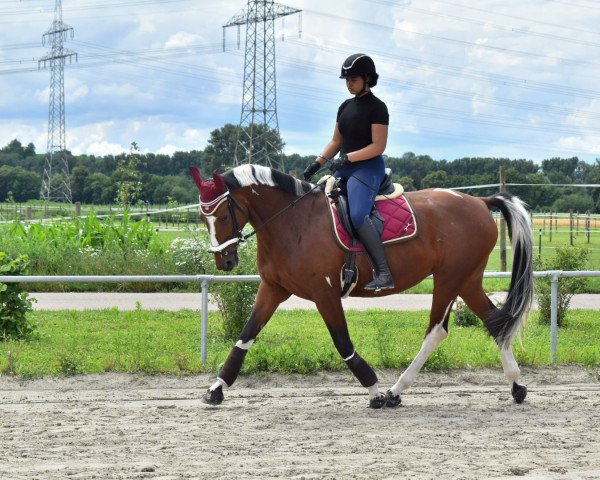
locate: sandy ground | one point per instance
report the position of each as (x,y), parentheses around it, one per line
(462,425)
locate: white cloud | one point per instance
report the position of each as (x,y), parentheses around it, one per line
(587,144)
(440,78)
(170,149)
(104,148)
(77,94)
(182,39)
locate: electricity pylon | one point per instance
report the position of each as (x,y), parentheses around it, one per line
(56,184)
(258,138)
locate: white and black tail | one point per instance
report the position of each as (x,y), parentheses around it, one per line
(503,323)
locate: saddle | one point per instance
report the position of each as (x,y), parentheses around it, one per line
(392,215)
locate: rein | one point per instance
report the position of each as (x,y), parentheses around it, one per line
(277,214)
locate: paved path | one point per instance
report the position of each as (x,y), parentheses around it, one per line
(192,301)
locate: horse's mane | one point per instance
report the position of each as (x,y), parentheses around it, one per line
(247,175)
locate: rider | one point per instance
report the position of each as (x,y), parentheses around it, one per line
(360,135)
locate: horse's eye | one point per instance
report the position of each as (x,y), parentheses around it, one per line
(223,218)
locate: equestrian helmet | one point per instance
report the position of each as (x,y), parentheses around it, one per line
(361,65)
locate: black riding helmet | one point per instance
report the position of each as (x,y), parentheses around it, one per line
(361,65)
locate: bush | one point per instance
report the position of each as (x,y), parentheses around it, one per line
(464,317)
(191,256)
(565,258)
(236,299)
(14,303)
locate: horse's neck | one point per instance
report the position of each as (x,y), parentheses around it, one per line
(274,212)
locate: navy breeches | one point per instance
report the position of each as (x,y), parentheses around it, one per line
(363,181)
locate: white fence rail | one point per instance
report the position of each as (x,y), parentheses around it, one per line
(205,280)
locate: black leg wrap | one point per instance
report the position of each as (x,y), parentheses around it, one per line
(232,365)
(362,371)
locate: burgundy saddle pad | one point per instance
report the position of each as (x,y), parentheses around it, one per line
(399,223)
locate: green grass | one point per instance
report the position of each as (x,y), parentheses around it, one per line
(72,342)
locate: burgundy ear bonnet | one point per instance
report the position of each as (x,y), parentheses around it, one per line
(210,190)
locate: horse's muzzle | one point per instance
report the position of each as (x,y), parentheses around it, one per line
(226,261)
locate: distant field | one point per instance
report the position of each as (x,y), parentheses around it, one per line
(545,239)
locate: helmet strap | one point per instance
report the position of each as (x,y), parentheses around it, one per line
(365,88)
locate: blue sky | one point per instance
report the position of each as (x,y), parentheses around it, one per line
(501,78)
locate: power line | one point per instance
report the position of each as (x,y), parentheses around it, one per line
(460,42)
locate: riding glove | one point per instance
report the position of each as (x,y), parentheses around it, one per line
(311,170)
(339,163)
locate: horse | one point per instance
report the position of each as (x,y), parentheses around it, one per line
(296,255)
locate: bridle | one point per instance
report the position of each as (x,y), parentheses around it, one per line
(238,236)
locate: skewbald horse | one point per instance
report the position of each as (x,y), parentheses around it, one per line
(297,255)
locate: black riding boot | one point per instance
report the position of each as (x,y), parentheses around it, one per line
(371,240)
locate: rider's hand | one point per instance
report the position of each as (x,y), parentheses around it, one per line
(311,170)
(339,163)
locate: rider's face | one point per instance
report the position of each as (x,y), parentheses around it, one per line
(355,84)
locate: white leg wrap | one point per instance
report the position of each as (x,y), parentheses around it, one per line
(244,346)
(509,364)
(432,340)
(373,390)
(219,383)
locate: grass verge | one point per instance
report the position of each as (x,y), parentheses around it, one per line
(74,342)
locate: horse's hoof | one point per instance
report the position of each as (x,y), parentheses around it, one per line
(378,401)
(519,392)
(214,397)
(391,400)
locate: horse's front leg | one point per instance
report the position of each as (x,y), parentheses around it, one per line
(332,312)
(268,298)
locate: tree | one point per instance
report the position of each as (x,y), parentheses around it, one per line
(22,184)
(564,166)
(407,183)
(220,152)
(221,148)
(576,202)
(14,147)
(79,177)
(437,179)
(99,188)
(128,178)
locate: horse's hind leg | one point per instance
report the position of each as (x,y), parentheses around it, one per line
(330,308)
(477,300)
(436,332)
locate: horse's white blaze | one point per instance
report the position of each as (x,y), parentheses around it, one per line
(210,223)
(328,280)
(447,190)
(432,340)
(509,364)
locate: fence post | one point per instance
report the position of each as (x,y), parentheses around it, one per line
(204,323)
(571,226)
(554,314)
(502,222)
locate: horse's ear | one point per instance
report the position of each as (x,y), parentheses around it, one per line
(219,183)
(196,176)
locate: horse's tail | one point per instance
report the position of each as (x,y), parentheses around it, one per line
(503,323)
